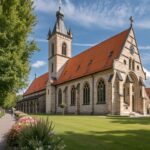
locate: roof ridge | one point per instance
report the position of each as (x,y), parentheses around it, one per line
(33,86)
(40,76)
(100,43)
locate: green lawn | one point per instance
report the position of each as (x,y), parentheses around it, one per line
(103,133)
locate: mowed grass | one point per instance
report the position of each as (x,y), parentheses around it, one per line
(102,133)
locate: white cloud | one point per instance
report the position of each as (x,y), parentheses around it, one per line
(147,82)
(145,58)
(147,72)
(45,5)
(106,14)
(75,44)
(38,64)
(147,47)
(144,24)
(37,39)
(84,44)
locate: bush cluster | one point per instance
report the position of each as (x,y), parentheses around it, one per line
(1,114)
(33,134)
(19,114)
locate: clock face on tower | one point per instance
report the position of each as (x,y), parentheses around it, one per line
(132,49)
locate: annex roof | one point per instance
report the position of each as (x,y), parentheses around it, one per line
(38,84)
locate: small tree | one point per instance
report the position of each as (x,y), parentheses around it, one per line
(63,106)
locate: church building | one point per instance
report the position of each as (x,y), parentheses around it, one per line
(107,78)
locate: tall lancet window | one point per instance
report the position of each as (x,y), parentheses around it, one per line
(53,49)
(86,94)
(59,97)
(101,97)
(130,63)
(133,65)
(73,96)
(64,49)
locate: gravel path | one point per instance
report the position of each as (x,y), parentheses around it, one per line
(6,123)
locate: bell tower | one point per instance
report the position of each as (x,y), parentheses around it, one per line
(59,46)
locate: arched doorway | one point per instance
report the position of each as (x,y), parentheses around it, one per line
(135,92)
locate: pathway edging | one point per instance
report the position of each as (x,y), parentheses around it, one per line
(6,122)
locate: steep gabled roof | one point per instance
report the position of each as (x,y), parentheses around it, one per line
(38,84)
(148,92)
(95,59)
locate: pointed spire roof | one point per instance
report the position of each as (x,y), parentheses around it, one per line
(59,26)
(49,33)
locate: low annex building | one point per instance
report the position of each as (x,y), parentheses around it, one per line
(107,78)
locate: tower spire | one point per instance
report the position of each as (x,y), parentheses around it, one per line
(59,26)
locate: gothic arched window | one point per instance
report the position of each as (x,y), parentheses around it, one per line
(86,94)
(53,49)
(133,65)
(101,96)
(64,49)
(59,97)
(73,96)
(52,69)
(130,63)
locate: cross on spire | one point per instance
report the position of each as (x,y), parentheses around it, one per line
(131,20)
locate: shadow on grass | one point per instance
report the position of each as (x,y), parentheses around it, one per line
(128,120)
(113,119)
(109,140)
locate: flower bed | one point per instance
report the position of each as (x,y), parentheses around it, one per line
(29,133)
(13,136)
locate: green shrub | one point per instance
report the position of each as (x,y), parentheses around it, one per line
(19,114)
(39,136)
(12,138)
(1,114)
(63,105)
(14,133)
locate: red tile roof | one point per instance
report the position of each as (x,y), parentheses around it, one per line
(38,84)
(148,92)
(95,59)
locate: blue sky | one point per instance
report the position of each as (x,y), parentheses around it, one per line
(91,22)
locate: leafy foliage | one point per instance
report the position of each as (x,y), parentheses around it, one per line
(32,134)
(9,100)
(40,136)
(1,114)
(63,105)
(17,21)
